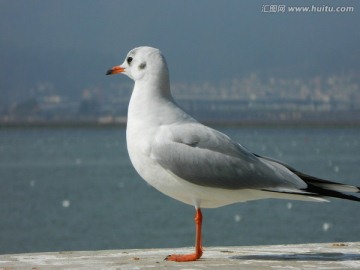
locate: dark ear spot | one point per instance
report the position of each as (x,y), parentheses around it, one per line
(142,65)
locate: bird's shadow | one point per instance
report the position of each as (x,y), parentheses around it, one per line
(321,256)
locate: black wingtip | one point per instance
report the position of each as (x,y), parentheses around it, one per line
(317,187)
(330,193)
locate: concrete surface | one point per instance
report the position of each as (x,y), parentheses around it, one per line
(305,256)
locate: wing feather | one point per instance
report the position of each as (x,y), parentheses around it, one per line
(206,157)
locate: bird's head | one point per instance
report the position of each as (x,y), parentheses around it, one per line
(142,63)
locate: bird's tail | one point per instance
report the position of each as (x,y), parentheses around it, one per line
(320,188)
(325,188)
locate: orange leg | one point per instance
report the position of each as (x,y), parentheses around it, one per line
(198,245)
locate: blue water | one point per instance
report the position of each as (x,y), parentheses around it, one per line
(75,189)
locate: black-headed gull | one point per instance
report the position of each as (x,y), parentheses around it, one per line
(196,164)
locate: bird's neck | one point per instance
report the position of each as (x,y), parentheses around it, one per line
(149,98)
(153,88)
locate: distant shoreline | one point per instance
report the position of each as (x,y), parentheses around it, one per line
(211,122)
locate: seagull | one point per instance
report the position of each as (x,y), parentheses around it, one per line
(196,164)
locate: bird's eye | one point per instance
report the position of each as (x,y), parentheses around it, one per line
(129,59)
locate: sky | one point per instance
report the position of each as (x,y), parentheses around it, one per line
(71,43)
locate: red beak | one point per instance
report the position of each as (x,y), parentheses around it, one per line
(115,70)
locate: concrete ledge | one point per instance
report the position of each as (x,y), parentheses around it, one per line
(305,256)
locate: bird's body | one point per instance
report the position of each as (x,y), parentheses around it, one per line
(194,163)
(154,140)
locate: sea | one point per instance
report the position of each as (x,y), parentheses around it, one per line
(65,189)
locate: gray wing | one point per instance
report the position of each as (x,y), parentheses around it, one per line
(206,157)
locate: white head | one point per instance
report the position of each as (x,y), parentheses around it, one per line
(143,64)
